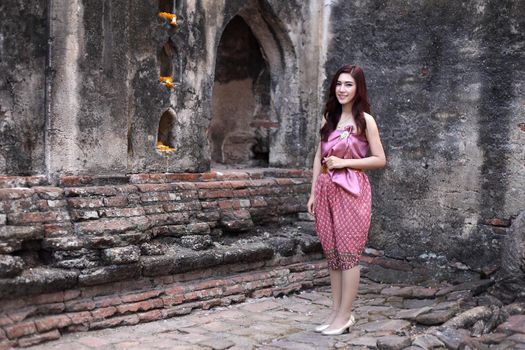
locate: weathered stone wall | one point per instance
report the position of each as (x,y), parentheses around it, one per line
(23,50)
(446,83)
(82,81)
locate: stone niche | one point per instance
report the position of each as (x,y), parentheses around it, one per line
(243,117)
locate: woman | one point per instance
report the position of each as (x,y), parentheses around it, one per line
(340,198)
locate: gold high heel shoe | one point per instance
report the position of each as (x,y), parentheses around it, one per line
(338,331)
(321,328)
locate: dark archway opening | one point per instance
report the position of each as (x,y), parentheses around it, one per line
(168,58)
(239,132)
(166,6)
(165,137)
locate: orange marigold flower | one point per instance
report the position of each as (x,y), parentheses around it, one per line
(168,81)
(170,17)
(163,147)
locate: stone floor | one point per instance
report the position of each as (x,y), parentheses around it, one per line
(388,317)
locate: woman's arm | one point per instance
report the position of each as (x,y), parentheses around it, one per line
(375,160)
(315,174)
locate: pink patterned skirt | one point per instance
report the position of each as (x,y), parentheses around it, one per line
(342,221)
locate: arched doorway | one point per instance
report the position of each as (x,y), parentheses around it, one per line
(242,114)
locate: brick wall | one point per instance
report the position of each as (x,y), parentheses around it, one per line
(96,252)
(34,319)
(93,230)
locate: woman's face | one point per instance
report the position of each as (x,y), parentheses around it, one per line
(345,88)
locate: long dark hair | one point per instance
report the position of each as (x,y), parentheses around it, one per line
(333,109)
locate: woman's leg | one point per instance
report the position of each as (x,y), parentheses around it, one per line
(336,282)
(349,287)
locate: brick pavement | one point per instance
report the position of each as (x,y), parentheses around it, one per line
(388,317)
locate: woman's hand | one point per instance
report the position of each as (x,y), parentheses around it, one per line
(334,162)
(311,205)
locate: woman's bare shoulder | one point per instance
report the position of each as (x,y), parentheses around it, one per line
(369,119)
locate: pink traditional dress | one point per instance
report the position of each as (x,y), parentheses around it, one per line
(343,201)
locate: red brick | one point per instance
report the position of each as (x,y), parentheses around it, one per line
(8,345)
(284,181)
(115,321)
(172,300)
(208,284)
(156,187)
(169,219)
(208,205)
(233,175)
(68,181)
(175,290)
(131,298)
(5,320)
(48,309)
(241,193)
(228,204)
(203,294)
(15,193)
(215,194)
(258,203)
(183,177)
(121,212)
(267,292)
(37,217)
(184,206)
(208,304)
(49,192)
(12,181)
(213,185)
(262,191)
(40,338)
(235,289)
(80,305)
(18,205)
(71,294)
(157,197)
(80,317)
(112,300)
(52,322)
(20,329)
(297,277)
(255,174)
(150,316)
(117,201)
(90,191)
(112,225)
(140,306)
(22,313)
(85,203)
(47,298)
(262,183)
(208,176)
(104,312)
(58,229)
(82,214)
(155,209)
